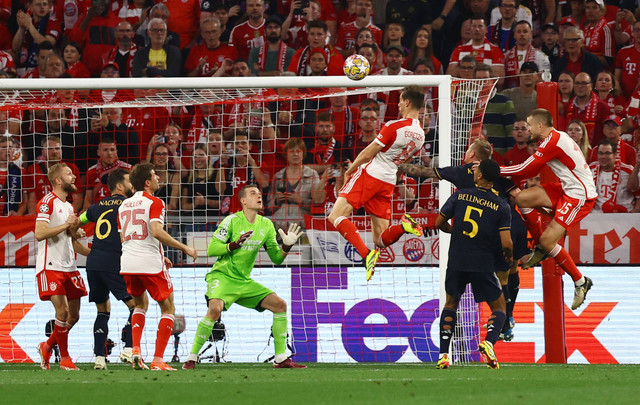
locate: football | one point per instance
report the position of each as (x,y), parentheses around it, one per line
(356,67)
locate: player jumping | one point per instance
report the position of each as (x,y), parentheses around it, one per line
(372,178)
(236,242)
(481,226)
(572,198)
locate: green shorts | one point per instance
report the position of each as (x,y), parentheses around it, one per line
(247,293)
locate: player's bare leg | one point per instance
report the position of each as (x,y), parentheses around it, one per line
(203,332)
(278,306)
(448,320)
(165,330)
(494,326)
(138,319)
(342,209)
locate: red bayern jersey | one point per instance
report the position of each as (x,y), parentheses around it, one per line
(244,37)
(214,57)
(97,179)
(628,61)
(560,153)
(347,35)
(515,155)
(598,38)
(486,53)
(184,20)
(625,152)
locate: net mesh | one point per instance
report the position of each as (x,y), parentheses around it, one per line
(206,144)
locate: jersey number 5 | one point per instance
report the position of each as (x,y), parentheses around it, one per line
(474,224)
(130,216)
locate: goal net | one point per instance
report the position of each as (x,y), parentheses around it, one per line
(207,138)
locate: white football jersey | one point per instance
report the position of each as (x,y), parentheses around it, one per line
(55,253)
(141,252)
(400,139)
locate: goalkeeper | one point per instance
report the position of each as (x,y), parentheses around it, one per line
(236,242)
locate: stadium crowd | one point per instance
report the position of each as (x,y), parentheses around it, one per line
(297,151)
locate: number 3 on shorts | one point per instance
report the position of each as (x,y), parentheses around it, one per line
(213,285)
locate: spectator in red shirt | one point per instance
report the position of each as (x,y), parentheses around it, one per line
(599,39)
(612,131)
(628,64)
(346,41)
(122,54)
(36,183)
(184,21)
(345,117)
(249,34)
(34,27)
(72,53)
(519,152)
(588,108)
(208,57)
(108,161)
(317,38)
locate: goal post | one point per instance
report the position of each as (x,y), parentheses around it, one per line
(460,108)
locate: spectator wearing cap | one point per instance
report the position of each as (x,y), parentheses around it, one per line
(272,58)
(587,107)
(317,32)
(249,34)
(500,33)
(208,57)
(98,19)
(161,11)
(484,51)
(612,176)
(628,65)
(598,38)
(346,41)
(521,53)
(499,116)
(551,42)
(576,59)
(394,58)
(158,59)
(525,97)
(34,27)
(612,130)
(122,53)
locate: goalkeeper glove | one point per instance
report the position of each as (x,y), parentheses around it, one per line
(291,237)
(236,245)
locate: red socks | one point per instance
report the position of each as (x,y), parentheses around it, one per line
(567,264)
(165,330)
(349,231)
(137,325)
(532,220)
(391,235)
(59,336)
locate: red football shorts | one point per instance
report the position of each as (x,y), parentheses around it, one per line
(374,194)
(159,285)
(569,211)
(51,282)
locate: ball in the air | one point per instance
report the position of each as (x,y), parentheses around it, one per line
(356,67)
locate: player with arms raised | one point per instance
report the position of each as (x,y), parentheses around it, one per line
(236,242)
(481,226)
(572,198)
(103,270)
(372,178)
(143,265)
(56,275)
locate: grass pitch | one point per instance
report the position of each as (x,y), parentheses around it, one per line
(323,384)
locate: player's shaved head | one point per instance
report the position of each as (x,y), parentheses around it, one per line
(490,170)
(139,175)
(542,116)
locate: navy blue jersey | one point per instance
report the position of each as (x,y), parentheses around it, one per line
(462,177)
(479,216)
(107,248)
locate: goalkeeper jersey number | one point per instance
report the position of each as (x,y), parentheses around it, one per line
(239,263)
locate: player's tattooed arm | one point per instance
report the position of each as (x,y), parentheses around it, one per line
(417,171)
(508,255)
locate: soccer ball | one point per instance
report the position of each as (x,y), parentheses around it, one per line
(356,67)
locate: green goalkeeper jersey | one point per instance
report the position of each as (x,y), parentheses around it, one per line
(239,263)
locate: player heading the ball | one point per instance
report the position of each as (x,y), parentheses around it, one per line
(236,242)
(372,177)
